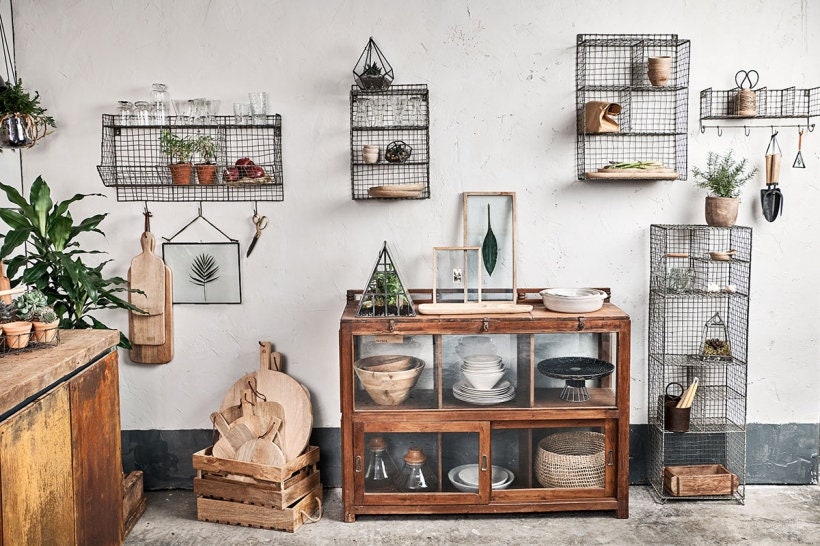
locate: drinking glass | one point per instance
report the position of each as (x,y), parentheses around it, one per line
(241,112)
(362,112)
(259,106)
(183,108)
(126,111)
(415,113)
(160,100)
(200,110)
(142,112)
(399,108)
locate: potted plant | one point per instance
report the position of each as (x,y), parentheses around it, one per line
(179,150)
(23,120)
(723,178)
(46,323)
(16,332)
(28,308)
(206,146)
(372,70)
(54,263)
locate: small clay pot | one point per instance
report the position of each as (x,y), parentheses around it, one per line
(45,332)
(17,333)
(721,211)
(206,174)
(181,173)
(659,69)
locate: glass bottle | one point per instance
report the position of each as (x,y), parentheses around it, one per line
(125,110)
(415,476)
(161,102)
(380,468)
(142,112)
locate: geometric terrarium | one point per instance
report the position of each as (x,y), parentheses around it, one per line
(385,295)
(372,71)
(715,340)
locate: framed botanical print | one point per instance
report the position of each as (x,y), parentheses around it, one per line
(204,272)
(489,223)
(456,274)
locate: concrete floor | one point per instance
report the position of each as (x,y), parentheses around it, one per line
(771,515)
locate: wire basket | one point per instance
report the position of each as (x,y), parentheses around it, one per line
(571,459)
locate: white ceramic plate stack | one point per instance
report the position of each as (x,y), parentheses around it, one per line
(465,477)
(483,381)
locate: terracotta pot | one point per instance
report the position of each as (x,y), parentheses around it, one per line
(17,334)
(721,211)
(45,332)
(659,69)
(181,173)
(206,174)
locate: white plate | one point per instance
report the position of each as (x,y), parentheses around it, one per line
(465,477)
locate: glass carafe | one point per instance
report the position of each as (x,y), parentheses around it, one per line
(415,476)
(161,102)
(380,468)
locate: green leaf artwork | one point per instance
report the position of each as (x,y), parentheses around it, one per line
(489,249)
(204,271)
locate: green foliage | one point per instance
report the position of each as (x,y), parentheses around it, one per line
(53,262)
(16,100)
(489,248)
(206,146)
(6,312)
(723,176)
(179,149)
(45,314)
(372,69)
(204,270)
(27,304)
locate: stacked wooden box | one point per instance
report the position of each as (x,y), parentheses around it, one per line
(256,495)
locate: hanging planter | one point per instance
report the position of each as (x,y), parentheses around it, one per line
(372,71)
(23,122)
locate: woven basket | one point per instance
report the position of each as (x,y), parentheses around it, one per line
(571,459)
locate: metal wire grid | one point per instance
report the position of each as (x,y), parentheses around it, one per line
(676,328)
(771,103)
(673,449)
(133,163)
(653,120)
(379,117)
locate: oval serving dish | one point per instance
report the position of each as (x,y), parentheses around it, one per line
(573,300)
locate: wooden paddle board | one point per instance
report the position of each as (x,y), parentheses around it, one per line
(147,273)
(472,308)
(5,284)
(159,354)
(642,174)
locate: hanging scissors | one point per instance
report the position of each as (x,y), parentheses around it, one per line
(260,222)
(749,77)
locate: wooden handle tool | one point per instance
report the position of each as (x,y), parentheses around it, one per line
(689,395)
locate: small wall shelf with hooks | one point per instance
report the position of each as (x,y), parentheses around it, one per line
(772,106)
(132,160)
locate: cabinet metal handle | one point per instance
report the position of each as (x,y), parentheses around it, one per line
(486,325)
(391,325)
(611,461)
(484,465)
(581,323)
(357,466)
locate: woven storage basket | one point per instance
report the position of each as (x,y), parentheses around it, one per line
(571,459)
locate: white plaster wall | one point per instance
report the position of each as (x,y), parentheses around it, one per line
(501,78)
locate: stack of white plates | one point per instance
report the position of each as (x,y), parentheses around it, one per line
(502,392)
(465,477)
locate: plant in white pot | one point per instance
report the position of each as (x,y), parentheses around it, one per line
(723,177)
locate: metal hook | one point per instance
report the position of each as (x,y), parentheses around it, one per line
(702,128)
(719,131)
(747,130)
(145,207)
(255,211)
(811,128)
(200,208)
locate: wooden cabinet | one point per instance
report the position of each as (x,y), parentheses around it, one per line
(60,459)
(492,447)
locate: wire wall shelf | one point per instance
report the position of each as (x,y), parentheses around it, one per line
(133,163)
(396,116)
(771,104)
(688,291)
(652,119)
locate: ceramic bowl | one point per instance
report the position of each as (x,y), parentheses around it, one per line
(482,360)
(721,256)
(385,385)
(482,380)
(465,477)
(573,300)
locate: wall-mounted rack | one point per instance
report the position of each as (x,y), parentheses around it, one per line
(773,106)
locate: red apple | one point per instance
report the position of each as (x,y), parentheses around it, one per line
(231,174)
(254,171)
(243,163)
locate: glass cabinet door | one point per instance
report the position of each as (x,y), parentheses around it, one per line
(575,370)
(556,459)
(434,463)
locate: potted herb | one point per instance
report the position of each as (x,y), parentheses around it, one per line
(16,332)
(723,178)
(24,121)
(372,77)
(53,263)
(206,147)
(179,150)
(389,295)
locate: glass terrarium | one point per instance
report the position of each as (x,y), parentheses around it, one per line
(385,295)
(715,340)
(372,71)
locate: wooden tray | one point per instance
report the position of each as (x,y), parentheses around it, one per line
(697,480)
(642,174)
(399,190)
(205,463)
(472,308)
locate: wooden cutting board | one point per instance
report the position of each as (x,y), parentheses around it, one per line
(4,283)
(472,308)
(158,354)
(147,273)
(647,174)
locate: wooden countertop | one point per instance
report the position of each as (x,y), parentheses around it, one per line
(25,374)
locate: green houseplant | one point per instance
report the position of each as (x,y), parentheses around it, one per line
(179,150)
(24,121)
(206,147)
(723,178)
(54,261)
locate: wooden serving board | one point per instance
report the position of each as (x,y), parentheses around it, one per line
(157,354)
(472,308)
(5,284)
(147,273)
(399,190)
(647,174)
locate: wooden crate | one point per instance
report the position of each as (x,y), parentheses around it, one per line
(133,501)
(255,495)
(697,480)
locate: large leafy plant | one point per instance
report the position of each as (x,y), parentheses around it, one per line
(54,263)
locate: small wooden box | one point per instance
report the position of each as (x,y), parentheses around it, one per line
(697,480)
(133,501)
(255,495)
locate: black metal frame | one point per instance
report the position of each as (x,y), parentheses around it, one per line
(653,121)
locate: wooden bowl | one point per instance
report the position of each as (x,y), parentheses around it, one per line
(389,388)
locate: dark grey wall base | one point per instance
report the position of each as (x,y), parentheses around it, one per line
(775,454)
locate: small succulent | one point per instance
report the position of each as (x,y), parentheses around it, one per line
(372,69)
(27,303)
(45,314)
(6,312)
